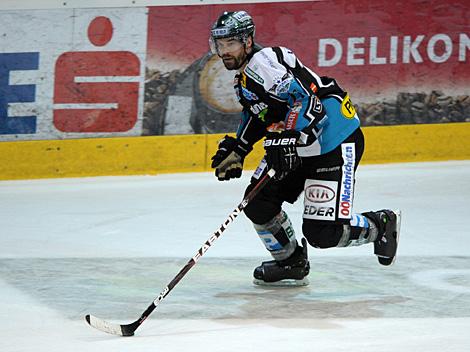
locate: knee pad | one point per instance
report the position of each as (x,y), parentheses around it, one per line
(262,208)
(278,236)
(321,235)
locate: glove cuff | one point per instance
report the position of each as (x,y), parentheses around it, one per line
(242,149)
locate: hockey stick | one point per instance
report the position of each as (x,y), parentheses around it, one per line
(129,329)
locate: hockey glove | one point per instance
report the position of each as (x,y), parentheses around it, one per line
(228,161)
(281,152)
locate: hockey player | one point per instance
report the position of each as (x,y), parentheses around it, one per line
(312,139)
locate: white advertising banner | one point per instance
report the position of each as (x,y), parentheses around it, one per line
(72,73)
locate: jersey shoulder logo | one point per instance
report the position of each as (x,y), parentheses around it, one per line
(347,108)
(281,85)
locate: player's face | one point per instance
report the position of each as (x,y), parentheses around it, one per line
(232,52)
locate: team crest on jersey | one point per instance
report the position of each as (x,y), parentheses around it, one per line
(347,108)
(281,85)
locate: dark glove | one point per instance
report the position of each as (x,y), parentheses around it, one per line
(228,161)
(281,152)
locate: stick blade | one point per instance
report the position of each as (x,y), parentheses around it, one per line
(114,329)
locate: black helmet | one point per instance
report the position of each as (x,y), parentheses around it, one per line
(237,24)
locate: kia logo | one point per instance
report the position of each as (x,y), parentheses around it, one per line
(319,193)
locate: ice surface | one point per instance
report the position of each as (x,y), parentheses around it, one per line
(108,246)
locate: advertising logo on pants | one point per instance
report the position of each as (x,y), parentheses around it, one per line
(347,181)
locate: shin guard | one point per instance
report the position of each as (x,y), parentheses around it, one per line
(278,236)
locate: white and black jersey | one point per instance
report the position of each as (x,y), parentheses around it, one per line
(278,92)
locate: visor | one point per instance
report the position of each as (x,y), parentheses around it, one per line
(225,45)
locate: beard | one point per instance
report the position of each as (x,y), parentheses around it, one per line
(233,63)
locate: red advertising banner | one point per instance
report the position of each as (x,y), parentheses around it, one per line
(402,62)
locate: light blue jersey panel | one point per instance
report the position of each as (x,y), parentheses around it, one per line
(335,127)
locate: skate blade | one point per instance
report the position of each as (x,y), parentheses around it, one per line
(398,214)
(283,283)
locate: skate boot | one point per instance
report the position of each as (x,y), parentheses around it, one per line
(289,272)
(386,243)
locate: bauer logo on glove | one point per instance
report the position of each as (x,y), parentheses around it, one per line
(280,141)
(281,152)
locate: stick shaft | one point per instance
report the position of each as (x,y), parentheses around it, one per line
(261,183)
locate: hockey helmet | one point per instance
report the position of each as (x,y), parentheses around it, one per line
(236,24)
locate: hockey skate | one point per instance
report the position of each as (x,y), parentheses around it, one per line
(385,246)
(292,271)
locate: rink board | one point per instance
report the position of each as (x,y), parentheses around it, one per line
(192,153)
